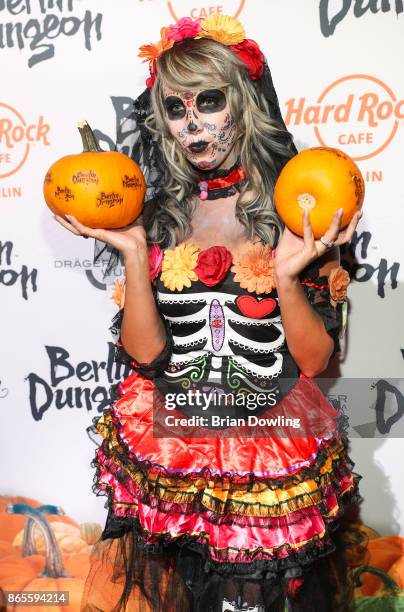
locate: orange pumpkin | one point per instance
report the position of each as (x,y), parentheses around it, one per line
(320,180)
(71,539)
(385,554)
(51,572)
(102,189)
(11,524)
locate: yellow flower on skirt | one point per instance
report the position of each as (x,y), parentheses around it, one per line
(177,270)
(254,268)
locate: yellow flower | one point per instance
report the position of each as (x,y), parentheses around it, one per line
(254,268)
(152,52)
(223,28)
(177,270)
(118,295)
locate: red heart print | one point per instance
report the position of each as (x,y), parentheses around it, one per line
(251,307)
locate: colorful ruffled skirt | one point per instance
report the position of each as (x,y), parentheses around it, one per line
(223,523)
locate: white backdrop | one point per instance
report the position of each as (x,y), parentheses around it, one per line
(63,61)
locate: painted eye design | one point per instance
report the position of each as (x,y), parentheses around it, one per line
(211,101)
(175,107)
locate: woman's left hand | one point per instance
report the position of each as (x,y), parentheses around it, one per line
(294,253)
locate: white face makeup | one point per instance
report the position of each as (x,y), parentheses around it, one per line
(202,124)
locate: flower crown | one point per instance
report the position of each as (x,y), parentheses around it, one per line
(222,28)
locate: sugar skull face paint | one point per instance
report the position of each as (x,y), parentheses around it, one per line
(202,124)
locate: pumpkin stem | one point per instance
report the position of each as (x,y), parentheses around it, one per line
(28,541)
(389,583)
(306,201)
(54,567)
(90,143)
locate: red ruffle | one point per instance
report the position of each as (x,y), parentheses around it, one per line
(277,454)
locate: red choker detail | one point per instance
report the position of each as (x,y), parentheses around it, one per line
(205,186)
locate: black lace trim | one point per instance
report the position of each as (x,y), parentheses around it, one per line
(319,298)
(148,370)
(316,548)
(219,512)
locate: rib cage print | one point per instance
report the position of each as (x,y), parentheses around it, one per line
(220,336)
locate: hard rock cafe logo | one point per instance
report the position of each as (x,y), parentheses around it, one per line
(17,137)
(204,8)
(357,113)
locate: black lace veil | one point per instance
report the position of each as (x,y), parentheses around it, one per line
(138,142)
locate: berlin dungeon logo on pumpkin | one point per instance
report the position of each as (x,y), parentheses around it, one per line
(109,199)
(85,178)
(12,273)
(358,113)
(64,193)
(36,24)
(82,385)
(203,8)
(17,137)
(132,182)
(332,14)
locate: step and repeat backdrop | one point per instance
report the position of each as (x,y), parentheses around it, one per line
(337,69)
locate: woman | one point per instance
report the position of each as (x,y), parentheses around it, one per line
(213,515)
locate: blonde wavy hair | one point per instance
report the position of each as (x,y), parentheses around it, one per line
(207,64)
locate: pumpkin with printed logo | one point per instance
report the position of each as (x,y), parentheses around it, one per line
(101,189)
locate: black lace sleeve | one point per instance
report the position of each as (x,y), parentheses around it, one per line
(148,370)
(316,289)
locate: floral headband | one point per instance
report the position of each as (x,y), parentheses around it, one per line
(222,28)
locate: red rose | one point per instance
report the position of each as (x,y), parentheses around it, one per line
(212,265)
(153,74)
(250,53)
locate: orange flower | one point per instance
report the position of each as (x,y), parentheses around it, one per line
(152,52)
(223,29)
(118,296)
(254,268)
(338,281)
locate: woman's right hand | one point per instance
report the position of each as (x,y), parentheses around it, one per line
(127,240)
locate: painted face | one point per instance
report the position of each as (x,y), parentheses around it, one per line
(202,124)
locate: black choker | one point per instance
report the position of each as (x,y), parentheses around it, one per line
(221,183)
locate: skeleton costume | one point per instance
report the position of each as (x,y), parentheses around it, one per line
(220,515)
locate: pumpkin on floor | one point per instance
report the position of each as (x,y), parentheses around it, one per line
(12,524)
(388,598)
(102,189)
(320,180)
(385,554)
(71,539)
(41,573)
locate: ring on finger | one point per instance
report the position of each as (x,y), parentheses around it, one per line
(325,243)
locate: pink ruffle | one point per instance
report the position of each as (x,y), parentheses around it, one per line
(268,538)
